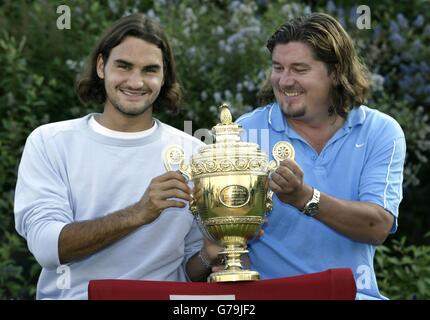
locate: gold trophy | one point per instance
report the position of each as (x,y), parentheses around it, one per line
(231,195)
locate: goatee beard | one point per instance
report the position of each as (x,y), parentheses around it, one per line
(294,114)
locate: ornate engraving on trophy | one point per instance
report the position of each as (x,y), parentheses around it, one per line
(231,191)
(234,196)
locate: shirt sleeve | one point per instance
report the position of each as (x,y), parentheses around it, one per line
(193,244)
(193,240)
(42,206)
(382,177)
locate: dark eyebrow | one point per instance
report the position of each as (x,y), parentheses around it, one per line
(120,61)
(152,67)
(129,64)
(297,64)
(301,65)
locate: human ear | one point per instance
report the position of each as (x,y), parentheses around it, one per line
(100,67)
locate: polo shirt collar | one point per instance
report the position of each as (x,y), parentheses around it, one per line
(355,117)
(276,118)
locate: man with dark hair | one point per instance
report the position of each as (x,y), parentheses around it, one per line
(339,197)
(93,199)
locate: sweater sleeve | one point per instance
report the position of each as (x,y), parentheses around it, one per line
(42,207)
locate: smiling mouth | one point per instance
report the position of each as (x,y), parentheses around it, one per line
(132,93)
(292,93)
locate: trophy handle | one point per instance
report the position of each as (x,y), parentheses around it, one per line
(185,169)
(193,207)
(273,165)
(282,150)
(174,155)
(269,201)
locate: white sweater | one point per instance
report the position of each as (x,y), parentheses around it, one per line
(70,173)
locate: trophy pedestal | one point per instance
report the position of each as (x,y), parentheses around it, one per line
(233,275)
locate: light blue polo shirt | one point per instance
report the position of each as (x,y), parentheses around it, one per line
(363,161)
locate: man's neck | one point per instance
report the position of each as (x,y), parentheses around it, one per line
(115,120)
(317,134)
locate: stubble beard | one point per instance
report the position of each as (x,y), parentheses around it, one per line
(130,113)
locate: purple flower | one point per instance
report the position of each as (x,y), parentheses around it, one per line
(397,39)
(419,21)
(353,15)
(419,80)
(406,83)
(426,31)
(417,45)
(408,98)
(330,7)
(394,27)
(405,69)
(403,22)
(377,32)
(424,67)
(396,59)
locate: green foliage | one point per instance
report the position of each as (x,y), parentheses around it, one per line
(403,270)
(17,280)
(221,56)
(415,125)
(20,92)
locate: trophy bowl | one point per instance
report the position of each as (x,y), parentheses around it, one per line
(231,195)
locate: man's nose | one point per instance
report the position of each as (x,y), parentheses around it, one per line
(135,81)
(286,79)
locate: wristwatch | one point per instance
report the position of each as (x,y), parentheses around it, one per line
(312,206)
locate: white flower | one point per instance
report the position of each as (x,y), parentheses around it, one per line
(217,97)
(203,9)
(239,97)
(377,82)
(219,30)
(71,64)
(228,95)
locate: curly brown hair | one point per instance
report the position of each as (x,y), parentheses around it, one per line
(90,87)
(331,45)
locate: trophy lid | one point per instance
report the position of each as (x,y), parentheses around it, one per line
(228,152)
(227,130)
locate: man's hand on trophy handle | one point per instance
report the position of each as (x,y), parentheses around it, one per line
(211,252)
(193,206)
(163,192)
(185,170)
(174,156)
(261,231)
(288,184)
(273,165)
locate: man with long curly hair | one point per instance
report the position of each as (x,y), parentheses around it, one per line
(339,197)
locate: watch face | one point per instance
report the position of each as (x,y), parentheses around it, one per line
(312,209)
(313,206)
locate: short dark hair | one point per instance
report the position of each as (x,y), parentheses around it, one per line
(90,87)
(331,45)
